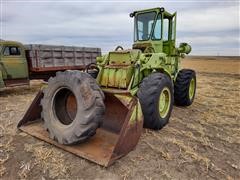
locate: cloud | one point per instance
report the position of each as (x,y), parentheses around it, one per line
(209,20)
(213,45)
(210,40)
(106,24)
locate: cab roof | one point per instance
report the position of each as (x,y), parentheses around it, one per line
(157,9)
(3,42)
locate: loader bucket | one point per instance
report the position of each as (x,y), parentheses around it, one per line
(118,135)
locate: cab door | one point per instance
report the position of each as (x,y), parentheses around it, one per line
(169,41)
(13,62)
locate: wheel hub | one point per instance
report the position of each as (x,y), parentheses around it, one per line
(164,102)
(191,88)
(65,106)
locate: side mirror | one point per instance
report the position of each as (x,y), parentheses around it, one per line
(132,15)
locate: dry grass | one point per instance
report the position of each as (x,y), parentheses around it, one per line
(200,142)
(190,151)
(160,150)
(6,147)
(49,159)
(213,65)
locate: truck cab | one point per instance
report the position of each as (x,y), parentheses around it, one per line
(13,64)
(21,63)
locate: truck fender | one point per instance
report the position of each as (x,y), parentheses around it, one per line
(2,85)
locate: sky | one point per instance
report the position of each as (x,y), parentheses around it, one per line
(211,27)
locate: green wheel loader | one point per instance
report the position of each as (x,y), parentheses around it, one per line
(99,113)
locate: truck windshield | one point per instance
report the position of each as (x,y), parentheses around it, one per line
(144,25)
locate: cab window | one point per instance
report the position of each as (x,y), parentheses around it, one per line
(165,29)
(157,29)
(144,25)
(11,51)
(173,28)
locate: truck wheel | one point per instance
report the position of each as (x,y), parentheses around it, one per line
(73,107)
(185,87)
(156,99)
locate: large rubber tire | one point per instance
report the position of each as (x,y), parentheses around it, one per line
(72,107)
(182,95)
(149,93)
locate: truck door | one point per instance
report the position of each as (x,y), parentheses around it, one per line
(13,62)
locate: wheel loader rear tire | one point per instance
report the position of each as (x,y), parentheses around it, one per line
(73,107)
(149,94)
(185,87)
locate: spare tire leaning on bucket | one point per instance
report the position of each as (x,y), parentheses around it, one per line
(72,107)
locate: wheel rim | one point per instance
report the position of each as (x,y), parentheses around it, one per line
(64,106)
(164,102)
(191,88)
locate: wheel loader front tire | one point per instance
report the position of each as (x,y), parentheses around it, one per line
(72,107)
(185,87)
(156,98)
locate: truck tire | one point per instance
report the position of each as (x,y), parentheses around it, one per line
(72,107)
(156,98)
(185,87)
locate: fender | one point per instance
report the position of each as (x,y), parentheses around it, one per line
(2,85)
(4,72)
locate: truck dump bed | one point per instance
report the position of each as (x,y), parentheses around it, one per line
(43,58)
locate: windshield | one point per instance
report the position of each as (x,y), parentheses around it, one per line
(144,25)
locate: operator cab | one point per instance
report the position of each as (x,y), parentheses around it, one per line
(154,31)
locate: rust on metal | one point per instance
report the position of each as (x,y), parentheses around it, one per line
(58,68)
(34,110)
(71,106)
(16,82)
(98,149)
(115,91)
(115,138)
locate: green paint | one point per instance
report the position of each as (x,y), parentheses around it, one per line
(164,102)
(2,85)
(117,68)
(136,114)
(13,66)
(154,50)
(192,88)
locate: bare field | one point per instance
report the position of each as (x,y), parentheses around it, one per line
(229,65)
(200,142)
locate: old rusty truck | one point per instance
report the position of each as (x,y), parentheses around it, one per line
(101,119)
(21,63)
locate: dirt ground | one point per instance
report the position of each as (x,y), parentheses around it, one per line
(200,142)
(228,65)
